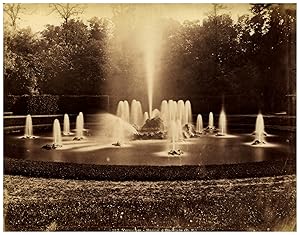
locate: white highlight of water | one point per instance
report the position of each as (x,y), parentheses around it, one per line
(188,112)
(173,133)
(199,123)
(136,113)
(66,125)
(57,133)
(211,120)
(146,116)
(79,126)
(174,115)
(260,129)
(28,126)
(155,113)
(222,123)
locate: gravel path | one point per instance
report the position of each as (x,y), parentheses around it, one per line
(260,204)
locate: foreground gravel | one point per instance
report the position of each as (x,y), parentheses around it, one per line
(251,204)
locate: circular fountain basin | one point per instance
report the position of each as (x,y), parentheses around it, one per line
(204,150)
(146,156)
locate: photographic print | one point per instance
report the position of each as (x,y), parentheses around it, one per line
(149,117)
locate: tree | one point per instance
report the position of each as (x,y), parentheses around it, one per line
(78,66)
(67,11)
(272,42)
(13,11)
(21,66)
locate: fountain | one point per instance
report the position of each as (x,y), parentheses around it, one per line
(173,135)
(158,125)
(57,139)
(57,134)
(145,117)
(136,114)
(222,124)
(180,111)
(188,112)
(259,130)
(199,124)
(179,131)
(164,111)
(118,132)
(28,128)
(211,121)
(210,128)
(126,111)
(66,125)
(123,110)
(155,113)
(79,127)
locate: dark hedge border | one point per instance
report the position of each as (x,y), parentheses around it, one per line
(146,173)
(53,104)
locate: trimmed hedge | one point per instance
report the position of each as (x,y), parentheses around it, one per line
(84,103)
(54,104)
(16,104)
(42,104)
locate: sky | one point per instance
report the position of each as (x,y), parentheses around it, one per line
(38,15)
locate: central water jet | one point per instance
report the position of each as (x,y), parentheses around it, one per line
(150,42)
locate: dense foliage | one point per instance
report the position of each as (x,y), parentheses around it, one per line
(254,56)
(55,104)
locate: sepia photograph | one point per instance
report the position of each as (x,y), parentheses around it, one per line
(160,117)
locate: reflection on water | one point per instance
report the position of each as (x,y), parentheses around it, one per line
(259,154)
(206,150)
